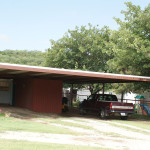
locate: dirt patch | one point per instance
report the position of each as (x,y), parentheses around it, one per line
(23,113)
(61,139)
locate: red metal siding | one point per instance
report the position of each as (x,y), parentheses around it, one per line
(24,88)
(47,96)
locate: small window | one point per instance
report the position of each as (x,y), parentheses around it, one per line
(4,86)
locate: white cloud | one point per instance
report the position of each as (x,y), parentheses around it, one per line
(4,38)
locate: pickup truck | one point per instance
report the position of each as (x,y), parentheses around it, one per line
(106,105)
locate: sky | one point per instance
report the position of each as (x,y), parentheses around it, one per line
(31,24)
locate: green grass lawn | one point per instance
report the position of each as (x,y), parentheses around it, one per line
(137,120)
(139,124)
(26,145)
(63,122)
(13,124)
(16,124)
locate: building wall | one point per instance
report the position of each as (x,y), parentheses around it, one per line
(47,96)
(39,95)
(24,93)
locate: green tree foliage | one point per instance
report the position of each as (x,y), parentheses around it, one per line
(131,45)
(35,58)
(83,49)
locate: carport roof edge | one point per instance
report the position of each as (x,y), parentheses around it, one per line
(67,75)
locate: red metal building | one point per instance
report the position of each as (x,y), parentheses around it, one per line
(39,95)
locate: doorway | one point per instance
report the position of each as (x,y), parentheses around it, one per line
(6,91)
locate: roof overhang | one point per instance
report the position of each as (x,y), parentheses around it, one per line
(13,71)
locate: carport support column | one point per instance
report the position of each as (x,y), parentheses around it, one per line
(103,88)
(71,95)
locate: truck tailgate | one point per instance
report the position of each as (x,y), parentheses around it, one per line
(118,106)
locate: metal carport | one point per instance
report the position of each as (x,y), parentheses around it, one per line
(40,88)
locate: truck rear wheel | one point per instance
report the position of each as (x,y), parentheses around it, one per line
(102,113)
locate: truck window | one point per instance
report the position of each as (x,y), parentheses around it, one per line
(92,97)
(107,98)
(100,98)
(114,98)
(110,98)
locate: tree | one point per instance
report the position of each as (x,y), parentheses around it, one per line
(83,49)
(35,58)
(131,45)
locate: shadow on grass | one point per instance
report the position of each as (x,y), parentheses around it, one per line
(22,113)
(74,112)
(139,117)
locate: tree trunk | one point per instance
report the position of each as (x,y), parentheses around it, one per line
(122,94)
(103,88)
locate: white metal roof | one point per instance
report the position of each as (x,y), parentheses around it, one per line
(72,76)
